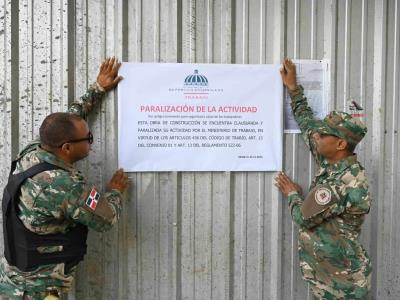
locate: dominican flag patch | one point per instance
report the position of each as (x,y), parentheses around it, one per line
(93,198)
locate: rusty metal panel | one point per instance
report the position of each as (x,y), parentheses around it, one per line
(206,235)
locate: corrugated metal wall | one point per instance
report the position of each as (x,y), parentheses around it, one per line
(220,235)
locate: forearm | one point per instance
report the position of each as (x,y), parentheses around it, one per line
(114,198)
(84,205)
(114,205)
(295,202)
(88,101)
(304,118)
(301,111)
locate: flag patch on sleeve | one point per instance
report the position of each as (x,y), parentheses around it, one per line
(93,198)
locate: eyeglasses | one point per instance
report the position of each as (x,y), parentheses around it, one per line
(89,138)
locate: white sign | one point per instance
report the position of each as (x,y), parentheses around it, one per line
(200,117)
(312,75)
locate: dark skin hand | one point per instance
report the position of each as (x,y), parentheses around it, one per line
(286,185)
(282,181)
(108,77)
(119,181)
(288,74)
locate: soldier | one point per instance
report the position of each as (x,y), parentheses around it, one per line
(48,205)
(330,216)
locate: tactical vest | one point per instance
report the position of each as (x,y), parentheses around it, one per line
(20,244)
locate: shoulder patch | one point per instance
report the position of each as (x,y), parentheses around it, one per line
(323,196)
(93,198)
(318,200)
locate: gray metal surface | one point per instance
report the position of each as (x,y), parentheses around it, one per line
(220,235)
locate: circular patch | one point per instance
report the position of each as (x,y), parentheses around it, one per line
(323,196)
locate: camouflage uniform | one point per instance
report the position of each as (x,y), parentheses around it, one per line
(332,259)
(53,202)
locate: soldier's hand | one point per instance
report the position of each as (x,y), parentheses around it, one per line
(119,181)
(288,74)
(108,75)
(286,185)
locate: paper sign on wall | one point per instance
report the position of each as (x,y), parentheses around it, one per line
(200,117)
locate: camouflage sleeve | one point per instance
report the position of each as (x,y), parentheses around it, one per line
(75,200)
(318,214)
(351,196)
(86,102)
(88,207)
(294,198)
(304,118)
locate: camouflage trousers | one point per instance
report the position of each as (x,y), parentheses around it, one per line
(42,296)
(36,296)
(320,294)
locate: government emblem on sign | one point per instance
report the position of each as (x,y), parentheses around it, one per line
(196,79)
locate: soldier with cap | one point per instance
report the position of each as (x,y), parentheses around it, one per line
(48,205)
(330,216)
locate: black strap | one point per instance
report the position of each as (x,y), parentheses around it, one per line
(13,166)
(18,179)
(36,169)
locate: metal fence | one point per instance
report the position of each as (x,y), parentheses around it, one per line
(208,235)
